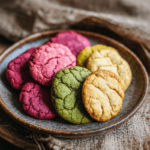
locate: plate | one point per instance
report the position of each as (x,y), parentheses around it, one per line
(134,95)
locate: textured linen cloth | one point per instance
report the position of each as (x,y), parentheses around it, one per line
(128,19)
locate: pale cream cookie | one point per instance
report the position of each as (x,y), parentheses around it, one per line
(86,52)
(107,59)
(102,95)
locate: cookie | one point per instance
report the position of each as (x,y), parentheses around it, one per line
(102,94)
(85,53)
(47,60)
(74,41)
(106,59)
(36,101)
(66,94)
(17,72)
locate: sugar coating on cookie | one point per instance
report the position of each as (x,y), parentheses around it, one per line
(73,40)
(66,94)
(36,101)
(17,72)
(102,94)
(86,52)
(47,60)
(107,59)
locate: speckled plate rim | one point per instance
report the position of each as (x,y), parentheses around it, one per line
(73,134)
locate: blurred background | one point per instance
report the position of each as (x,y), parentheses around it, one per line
(127,21)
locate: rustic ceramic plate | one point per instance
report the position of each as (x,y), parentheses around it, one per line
(134,96)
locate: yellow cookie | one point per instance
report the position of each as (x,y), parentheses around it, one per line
(107,59)
(102,95)
(86,52)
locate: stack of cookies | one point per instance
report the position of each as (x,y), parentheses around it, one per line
(68,77)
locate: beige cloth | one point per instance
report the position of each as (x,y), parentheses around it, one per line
(129,19)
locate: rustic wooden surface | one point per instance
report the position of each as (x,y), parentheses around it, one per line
(4,145)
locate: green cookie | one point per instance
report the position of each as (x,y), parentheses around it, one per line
(66,94)
(86,52)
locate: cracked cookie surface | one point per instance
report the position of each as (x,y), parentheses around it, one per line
(106,59)
(102,95)
(47,60)
(66,94)
(36,101)
(17,72)
(86,52)
(73,40)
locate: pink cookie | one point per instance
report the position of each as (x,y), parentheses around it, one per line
(47,60)
(17,72)
(36,101)
(74,41)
